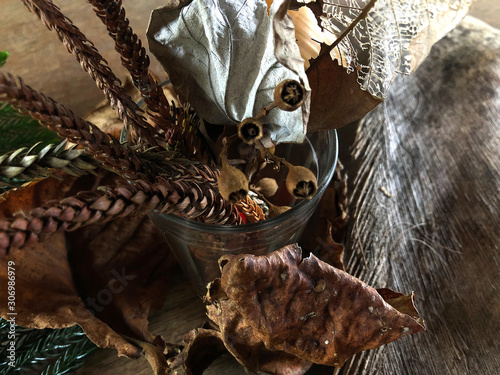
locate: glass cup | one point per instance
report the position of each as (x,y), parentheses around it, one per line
(198,246)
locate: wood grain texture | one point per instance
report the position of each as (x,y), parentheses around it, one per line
(434,145)
(426,205)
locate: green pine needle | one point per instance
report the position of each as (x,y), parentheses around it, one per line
(3,57)
(45,351)
(19,130)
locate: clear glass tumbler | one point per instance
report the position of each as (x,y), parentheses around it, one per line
(198,246)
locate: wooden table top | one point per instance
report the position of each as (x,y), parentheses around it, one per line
(38,56)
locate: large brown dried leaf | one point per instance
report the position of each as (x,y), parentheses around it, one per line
(105,278)
(46,296)
(120,268)
(305,308)
(240,339)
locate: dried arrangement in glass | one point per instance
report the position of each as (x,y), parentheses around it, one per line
(74,213)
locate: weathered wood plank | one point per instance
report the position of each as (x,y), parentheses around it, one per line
(434,147)
(439,232)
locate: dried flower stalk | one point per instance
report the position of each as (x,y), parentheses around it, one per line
(175,194)
(62,120)
(94,64)
(135,60)
(27,165)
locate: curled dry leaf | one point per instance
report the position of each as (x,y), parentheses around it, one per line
(305,307)
(328,222)
(203,346)
(105,278)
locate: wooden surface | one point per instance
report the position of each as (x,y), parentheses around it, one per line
(434,148)
(426,201)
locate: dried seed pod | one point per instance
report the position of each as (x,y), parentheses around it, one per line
(277,210)
(250,130)
(266,186)
(301,182)
(289,95)
(233,185)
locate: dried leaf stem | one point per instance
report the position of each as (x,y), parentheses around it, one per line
(362,15)
(94,64)
(134,59)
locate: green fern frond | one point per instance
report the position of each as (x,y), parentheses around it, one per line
(45,351)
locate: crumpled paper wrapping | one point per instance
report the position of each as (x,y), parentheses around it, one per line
(225,57)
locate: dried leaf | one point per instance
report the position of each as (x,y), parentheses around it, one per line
(336,98)
(104,116)
(394,38)
(226,57)
(120,270)
(106,278)
(328,222)
(47,297)
(34,194)
(304,307)
(203,346)
(240,339)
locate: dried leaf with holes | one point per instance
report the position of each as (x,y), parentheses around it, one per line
(374,42)
(305,307)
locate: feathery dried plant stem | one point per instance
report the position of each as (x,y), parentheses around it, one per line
(180,195)
(135,60)
(28,165)
(251,210)
(94,64)
(62,120)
